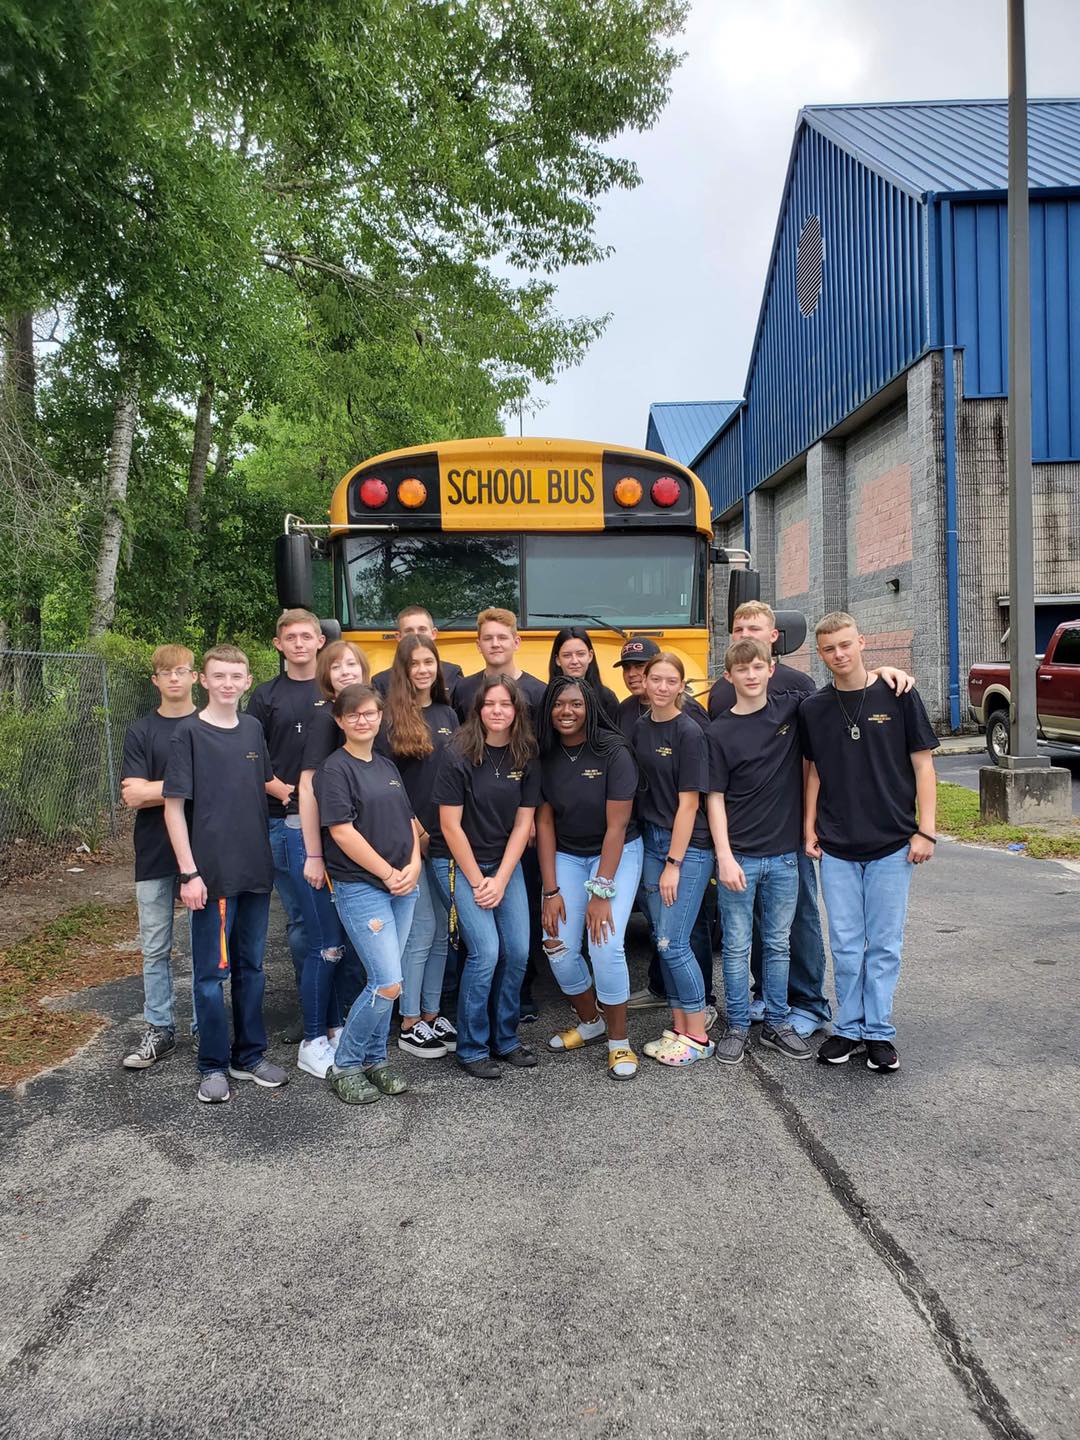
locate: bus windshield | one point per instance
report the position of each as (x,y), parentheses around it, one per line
(630,579)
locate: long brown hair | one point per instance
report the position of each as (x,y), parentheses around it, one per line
(470,738)
(407,730)
(328,654)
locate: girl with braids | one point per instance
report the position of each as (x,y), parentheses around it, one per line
(572,655)
(487,790)
(417,727)
(590,856)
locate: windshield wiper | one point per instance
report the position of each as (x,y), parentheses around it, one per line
(577,615)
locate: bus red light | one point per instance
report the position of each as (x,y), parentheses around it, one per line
(374,493)
(665,491)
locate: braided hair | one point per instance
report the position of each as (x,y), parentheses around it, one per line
(600,733)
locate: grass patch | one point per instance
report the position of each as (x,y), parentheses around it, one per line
(958,816)
(73,952)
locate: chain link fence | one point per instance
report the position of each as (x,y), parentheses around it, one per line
(62,723)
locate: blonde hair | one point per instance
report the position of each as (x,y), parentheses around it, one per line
(667,657)
(750,609)
(328,654)
(745,651)
(169,657)
(494,616)
(227,654)
(835,620)
(298,617)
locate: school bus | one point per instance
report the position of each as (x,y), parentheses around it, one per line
(561,532)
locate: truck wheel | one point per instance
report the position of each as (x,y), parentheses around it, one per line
(997,736)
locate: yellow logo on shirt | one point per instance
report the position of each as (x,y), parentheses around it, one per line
(444,730)
(879,719)
(317,703)
(253,755)
(783,729)
(515,774)
(395,783)
(664,750)
(592,774)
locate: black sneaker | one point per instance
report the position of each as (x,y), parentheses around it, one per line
(154,1046)
(784,1039)
(881,1055)
(838,1050)
(522,1058)
(420,1040)
(445,1031)
(486,1069)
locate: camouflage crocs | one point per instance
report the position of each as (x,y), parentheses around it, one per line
(387,1080)
(352,1086)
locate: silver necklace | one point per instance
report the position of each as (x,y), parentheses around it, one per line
(487,752)
(573,758)
(852,725)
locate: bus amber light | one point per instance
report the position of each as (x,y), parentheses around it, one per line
(628,492)
(374,493)
(665,491)
(412,492)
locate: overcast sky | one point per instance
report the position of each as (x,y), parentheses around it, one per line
(692,241)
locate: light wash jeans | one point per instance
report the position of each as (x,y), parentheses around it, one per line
(608,960)
(498,951)
(810,1010)
(771,894)
(672,924)
(156,901)
(424,961)
(866,903)
(290,900)
(378,925)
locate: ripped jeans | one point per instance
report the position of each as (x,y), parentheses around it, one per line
(329,979)
(378,924)
(608,960)
(672,924)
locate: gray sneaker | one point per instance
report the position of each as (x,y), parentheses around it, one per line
(645,1000)
(154,1046)
(786,1041)
(711,1016)
(264,1072)
(214,1089)
(730,1046)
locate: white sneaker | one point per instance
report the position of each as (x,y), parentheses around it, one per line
(315,1056)
(334,1035)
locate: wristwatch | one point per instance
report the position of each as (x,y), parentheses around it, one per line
(191,875)
(672,861)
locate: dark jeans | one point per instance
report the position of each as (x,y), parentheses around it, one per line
(702,940)
(228,939)
(530,872)
(806,973)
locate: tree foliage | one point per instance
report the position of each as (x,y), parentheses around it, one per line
(296,235)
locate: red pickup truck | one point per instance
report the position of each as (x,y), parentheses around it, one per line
(1057,695)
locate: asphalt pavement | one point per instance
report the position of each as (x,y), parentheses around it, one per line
(784,1250)
(964,770)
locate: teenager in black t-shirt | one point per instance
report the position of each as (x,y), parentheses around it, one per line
(371,849)
(487,790)
(572,654)
(216,782)
(146,751)
(672,757)
(415,620)
(590,854)
(332,976)
(418,724)
(869,817)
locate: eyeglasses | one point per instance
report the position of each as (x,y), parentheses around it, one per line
(354,717)
(177,674)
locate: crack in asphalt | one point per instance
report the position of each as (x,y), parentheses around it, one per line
(987,1402)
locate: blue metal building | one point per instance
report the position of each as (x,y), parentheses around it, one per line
(873,414)
(683,428)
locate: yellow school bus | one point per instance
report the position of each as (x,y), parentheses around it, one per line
(561,532)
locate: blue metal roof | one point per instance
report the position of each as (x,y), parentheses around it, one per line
(954,146)
(682,428)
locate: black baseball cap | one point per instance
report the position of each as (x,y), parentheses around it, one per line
(637,651)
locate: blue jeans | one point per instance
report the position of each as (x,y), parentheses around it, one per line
(498,950)
(866,902)
(287,894)
(608,960)
(773,883)
(701,943)
(329,964)
(424,961)
(156,901)
(672,924)
(228,940)
(378,925)
(806,976)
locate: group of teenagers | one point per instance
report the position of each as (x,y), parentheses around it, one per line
(434,835)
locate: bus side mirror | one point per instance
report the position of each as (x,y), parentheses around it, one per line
(292,570)
(331,629)
(744,585)
(792,627)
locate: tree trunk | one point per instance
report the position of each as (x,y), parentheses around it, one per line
(20,402)
(200,455)
(112,530)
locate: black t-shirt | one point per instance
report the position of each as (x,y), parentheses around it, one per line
(784,679)
(672,756)
(419,773)
(222,775)
(695,711)
(490,795)
(370,796)
(578,789)
(451,674)
(466,688)
(146,753)
(866,805)
(631,710)
(322,735)
(756,763)
(283,708)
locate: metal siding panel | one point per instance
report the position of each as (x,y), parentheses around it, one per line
(1040,426)
(1054,362)
(1072,303)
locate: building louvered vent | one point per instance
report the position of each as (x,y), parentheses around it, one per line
(808,265)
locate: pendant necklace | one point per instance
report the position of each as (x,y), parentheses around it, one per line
(487,752)
(852,726)
(573,758)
